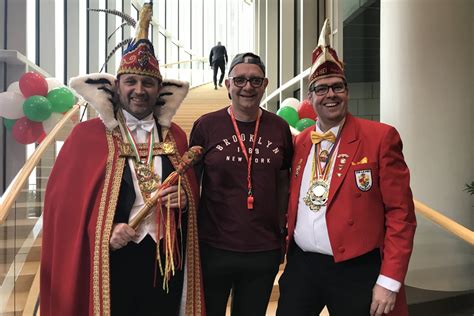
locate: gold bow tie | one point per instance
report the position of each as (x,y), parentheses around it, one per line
(318,137)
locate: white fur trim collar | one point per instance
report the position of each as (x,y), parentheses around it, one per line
(98,89)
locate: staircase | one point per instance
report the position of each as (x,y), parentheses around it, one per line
(199,101)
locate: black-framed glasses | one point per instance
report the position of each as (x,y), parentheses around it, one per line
(322,89)
(240,82)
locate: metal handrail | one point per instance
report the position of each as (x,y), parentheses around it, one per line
(285,86)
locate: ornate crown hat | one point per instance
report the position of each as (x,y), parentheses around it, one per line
(325,60)
(98,89)
(139,57)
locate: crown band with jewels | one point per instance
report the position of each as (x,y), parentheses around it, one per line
(139,57)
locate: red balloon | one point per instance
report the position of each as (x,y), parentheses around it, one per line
(305,110)
(41,137)
(25,131)
(32,83)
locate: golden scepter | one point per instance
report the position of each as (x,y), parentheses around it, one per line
(187,160)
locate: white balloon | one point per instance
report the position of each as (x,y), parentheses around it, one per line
(294,103)
(11,105)
(51,122)
(53,83)
(14,87)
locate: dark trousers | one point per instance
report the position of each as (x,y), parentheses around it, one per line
(250,275)
(132,270)
(218,64)
(311,281)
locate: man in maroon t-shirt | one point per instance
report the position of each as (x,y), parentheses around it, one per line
(244,174)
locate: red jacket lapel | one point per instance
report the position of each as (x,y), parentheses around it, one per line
(349,143)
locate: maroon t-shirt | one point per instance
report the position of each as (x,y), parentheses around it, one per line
(223,218)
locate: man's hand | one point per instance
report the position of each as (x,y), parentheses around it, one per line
(122,234)
(172,194)
(383,301)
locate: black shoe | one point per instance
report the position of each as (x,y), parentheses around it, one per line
(215,87)
(220,85)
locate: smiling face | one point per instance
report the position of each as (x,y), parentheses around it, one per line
(137,94)
(330,107)
(246,99)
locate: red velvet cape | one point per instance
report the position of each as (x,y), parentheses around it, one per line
(79,208)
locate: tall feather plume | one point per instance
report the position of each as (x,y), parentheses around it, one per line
(130,21)
(119,45)
(115,31)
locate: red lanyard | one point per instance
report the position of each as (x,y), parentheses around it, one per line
(248,157)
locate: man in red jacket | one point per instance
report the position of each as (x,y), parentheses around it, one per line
(351,218)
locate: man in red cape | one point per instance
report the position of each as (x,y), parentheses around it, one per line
(93,262)
(351,219)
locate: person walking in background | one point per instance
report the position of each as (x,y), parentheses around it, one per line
(351,219)
(244,171)
(218,59)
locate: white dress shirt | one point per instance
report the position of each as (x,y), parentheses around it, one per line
(311,231)
(148,225)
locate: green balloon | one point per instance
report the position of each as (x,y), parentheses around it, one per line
(8,123)
(37,108)
(62,99)
(304,123)
(289,114)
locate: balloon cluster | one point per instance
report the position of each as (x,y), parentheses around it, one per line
(32,106)
(298,115)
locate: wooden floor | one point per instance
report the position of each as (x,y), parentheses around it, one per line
(199,101)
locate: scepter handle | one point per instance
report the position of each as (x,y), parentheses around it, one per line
(189,158)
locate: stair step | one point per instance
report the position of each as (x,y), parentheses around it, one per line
(20,222)
(16,303)
(9,250)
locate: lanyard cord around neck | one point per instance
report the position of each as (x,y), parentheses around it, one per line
(317,168)
(248,157)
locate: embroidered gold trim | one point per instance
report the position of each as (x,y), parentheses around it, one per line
(112,205)
(98,230)
(193,295)
(164,148)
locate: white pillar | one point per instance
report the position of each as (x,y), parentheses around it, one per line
(47,36)
(14,38)
(271,56)
(426,84)
(287,45)
(312,17)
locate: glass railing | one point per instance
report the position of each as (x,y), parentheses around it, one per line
(21,220)
(195,71)
(443,254)
(20,227)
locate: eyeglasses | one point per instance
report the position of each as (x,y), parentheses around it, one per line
(241,82)
(323,89)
